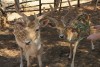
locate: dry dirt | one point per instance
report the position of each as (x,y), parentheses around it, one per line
(55,50)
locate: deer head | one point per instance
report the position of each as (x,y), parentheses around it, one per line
(64,30)
(24,26)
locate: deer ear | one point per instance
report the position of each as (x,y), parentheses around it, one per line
(97,27)
(47,22)
(44,23)
(95,36)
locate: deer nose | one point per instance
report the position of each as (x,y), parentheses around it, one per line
(61,36)
(27,42)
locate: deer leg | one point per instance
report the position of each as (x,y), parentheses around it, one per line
(60,5)
(69,3)
(39,60)
(92,45)
(74,51)
(28,60)
(95,8)
(56,4)
(70,54)
(21,57)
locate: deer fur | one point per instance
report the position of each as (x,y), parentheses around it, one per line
(29,41)
(67,32)
(95,36)
(27,35)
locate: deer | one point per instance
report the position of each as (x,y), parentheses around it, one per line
(58,3)
(67,32)
(65,29)
(94,35)
(27,36)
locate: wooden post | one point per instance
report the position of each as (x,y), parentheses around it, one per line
(54,3)
(60,5)
(40,7)
(78,3)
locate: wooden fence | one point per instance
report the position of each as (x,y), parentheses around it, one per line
(10,8)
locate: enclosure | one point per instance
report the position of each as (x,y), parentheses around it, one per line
(56,50)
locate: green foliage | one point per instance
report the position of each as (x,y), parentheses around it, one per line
(81,25)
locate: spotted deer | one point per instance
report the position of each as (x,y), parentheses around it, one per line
(67,32)
(27,36)
(58,3)
(65,29)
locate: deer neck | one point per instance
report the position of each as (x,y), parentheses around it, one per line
(38,38)
(37,41)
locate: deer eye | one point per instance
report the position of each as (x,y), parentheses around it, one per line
(37,29)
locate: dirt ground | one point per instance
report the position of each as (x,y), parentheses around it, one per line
(55,50)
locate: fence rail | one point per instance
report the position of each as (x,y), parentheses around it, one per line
(38,7)
(10,8)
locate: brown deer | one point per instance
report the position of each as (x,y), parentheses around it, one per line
(67,32)
(65,29)
(27,35)
(58,3)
